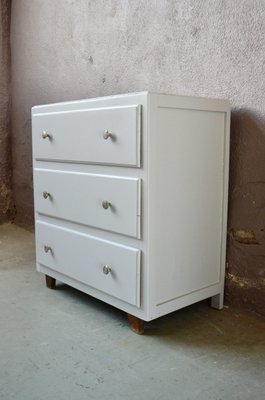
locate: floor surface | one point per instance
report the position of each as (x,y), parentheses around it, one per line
(62,344)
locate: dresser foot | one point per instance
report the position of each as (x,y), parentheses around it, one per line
(136,324)
(217,301)
(50,282)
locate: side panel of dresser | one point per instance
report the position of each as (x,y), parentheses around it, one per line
(188,180)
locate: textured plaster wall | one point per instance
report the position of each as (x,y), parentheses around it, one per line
(68,49)
(6,207)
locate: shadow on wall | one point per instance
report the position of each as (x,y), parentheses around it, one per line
(7,209)
(245,276)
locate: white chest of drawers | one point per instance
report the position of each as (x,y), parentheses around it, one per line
(131,199)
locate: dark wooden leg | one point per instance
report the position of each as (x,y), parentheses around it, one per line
(50,282)
(136,324)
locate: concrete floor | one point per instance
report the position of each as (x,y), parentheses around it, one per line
(63,344)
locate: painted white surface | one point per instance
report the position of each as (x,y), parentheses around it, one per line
(79,196)
(83,257)
(184,179)
(78,135)
(186,188)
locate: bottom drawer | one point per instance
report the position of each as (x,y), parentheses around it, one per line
(107,266)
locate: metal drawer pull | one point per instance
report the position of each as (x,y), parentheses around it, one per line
(46,135)
(106,270)
(46,195)
(107,134)
(47,249)
(106,204)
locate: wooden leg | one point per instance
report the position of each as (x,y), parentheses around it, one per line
(50,282)
(136,324)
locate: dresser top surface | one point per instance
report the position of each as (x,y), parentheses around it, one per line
(72,104)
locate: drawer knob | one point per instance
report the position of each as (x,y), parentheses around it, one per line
(106,269)
(46,135)
(107,134)
(46,195)
(106,204)
(47,249)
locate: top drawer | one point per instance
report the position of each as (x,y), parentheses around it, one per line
(108,135)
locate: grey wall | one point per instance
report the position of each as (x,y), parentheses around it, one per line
(68,49)
(6,205)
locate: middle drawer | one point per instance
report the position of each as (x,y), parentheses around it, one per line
(107,202)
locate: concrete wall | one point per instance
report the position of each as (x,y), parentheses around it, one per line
(68,49)
(6,205)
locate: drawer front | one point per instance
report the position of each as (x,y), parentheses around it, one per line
(102,201)
(80,135)
(83,258)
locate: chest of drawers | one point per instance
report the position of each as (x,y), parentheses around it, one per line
(130,199)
